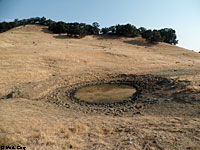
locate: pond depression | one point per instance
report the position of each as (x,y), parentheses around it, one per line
(105,93)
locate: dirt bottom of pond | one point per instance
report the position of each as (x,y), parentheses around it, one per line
(105,93)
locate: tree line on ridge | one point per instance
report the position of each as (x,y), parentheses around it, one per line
(167,35)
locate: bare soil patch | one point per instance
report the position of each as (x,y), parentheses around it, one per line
(104,93)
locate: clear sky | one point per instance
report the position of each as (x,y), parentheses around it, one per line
(181,15)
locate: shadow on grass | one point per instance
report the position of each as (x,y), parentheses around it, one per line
(61,37)
(65,36)
(45,30)
(139,43)
(103,37)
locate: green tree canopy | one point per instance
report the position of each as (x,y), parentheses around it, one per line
(166,35)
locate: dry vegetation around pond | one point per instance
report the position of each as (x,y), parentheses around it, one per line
(39,68)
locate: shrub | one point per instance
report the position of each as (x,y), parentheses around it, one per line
(141,30)
(104,30)
(126,30)
(168,36)
(152,36)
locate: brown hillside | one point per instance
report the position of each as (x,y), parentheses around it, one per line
(38,67)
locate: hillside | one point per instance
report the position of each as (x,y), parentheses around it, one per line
(38,67)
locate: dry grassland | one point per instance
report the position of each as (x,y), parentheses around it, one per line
(34,63)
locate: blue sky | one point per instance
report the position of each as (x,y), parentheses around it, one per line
(181,15)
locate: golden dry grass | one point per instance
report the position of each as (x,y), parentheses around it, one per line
(34,63)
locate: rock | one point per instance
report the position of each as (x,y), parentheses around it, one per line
(130,139)
(130,142)
(67,105)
